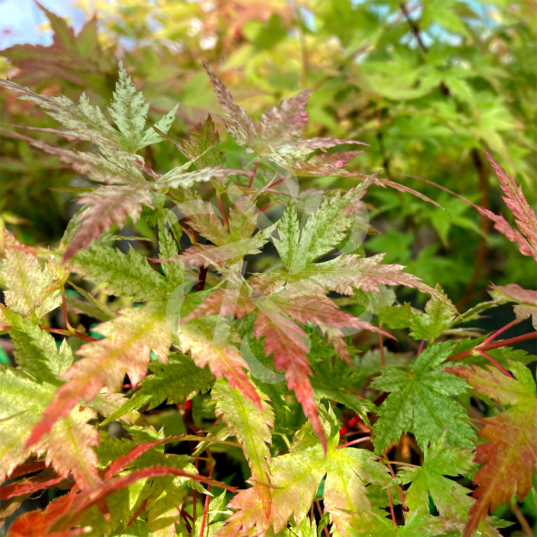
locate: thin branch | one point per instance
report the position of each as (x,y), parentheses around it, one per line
(206,507)
(413,27)
(392,512)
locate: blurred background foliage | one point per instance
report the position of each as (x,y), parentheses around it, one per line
(427,84)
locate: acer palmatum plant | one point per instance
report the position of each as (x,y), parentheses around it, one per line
(263,360)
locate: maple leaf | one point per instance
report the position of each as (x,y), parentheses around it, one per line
(295,479)
(211,343)
(509,455)
(526,300)
(180,177)
(240,125)
(252,428)
(129,340)
(174,382)
(29,289)
(80,120)
(348,272)
(25,396)
(325,164)
(326,228)
(108,205)
(450,498)
(346,496)
(525,217)
(287,121)
(68,57)
(285,340)
(128,110)
(420,402)
(108,167)
(439,315)
(125,274)
(201,145)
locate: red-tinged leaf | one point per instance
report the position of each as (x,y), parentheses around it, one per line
(126,349)
(205,255)
(231,301)
(241,125)
(407,190)
(28,468)
(45,480)
(201,145)
(211,344)
(321,311)
(109,205)
(110,167)
(37,523)
(124,460)
(283,339)
(325,164)
(525,216)
(287,121)
(298,149)
(510,455)
(349,272)
(526,300)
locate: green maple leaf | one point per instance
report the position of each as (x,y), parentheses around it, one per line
(125,274)
(439,315)
(450,498)
(420,402)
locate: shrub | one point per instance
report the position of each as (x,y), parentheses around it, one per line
(249,329)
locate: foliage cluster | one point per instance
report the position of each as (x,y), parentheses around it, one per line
(428,87)
(267,355)
(241,364)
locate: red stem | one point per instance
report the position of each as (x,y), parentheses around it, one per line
(263,208)
(498,332)
(279,181)
(491,359)
(391,509)
(497,345)
(381,344)
(206,507)
(253,174)
(357,441)
(422,344)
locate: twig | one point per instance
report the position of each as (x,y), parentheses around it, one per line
(263,208)
(413,27)
(65,316)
